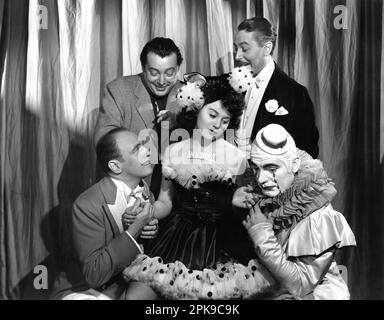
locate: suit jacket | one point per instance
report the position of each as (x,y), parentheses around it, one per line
(300,120)
(102,250)
(127,104)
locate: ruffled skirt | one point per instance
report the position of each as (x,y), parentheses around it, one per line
(224,281)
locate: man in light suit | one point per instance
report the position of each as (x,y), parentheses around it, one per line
(102,246)
(273,96)
(146,100)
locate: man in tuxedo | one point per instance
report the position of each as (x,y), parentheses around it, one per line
(102,246)
(273,97)
(146,102)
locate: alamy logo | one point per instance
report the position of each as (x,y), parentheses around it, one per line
(41,280)
(341,20)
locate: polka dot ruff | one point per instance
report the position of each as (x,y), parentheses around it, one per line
(240,79)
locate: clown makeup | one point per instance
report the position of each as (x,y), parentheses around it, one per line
(272,176)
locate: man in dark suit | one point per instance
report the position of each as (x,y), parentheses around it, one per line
(145,102)
(273,96)
(102,246)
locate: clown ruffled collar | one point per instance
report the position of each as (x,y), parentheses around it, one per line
(311,190)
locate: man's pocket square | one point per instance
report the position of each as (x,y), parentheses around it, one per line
(281,111)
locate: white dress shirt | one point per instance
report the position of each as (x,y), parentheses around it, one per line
(130,197)
(253,98)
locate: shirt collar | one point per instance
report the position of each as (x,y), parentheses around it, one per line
(266,72)
(127,191)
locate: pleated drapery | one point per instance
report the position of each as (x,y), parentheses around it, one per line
(57,56)
(136,32)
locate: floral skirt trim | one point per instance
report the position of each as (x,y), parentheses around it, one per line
(175,281)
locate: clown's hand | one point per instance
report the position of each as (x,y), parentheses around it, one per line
(254,217)
(244,198)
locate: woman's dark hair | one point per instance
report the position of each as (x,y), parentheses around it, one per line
(216,88)
(163,47)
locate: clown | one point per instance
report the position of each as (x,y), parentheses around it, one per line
(274,160)
(294,229)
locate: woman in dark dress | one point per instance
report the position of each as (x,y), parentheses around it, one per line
(202,250)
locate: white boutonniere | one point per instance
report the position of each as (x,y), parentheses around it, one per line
(272,106)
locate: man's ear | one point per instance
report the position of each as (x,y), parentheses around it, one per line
(296,165)
(115,166)
(268,48)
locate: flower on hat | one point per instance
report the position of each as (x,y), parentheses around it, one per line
(191,96)
(240,79)
(272,105)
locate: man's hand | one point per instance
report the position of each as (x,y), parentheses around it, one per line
(150,230)
(162,115)
(244,198)
(142,218)
(255,216)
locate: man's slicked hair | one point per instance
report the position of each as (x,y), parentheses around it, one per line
(263,29)
(163,47)
(107,149)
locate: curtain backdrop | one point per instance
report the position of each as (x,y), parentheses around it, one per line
(57,56)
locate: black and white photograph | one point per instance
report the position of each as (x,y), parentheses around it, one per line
(208,151)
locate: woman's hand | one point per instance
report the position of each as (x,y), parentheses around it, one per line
(142,219)
(130,215)
(254,217)
(244,198)
(150,230)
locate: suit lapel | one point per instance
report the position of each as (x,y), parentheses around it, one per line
(272,91)
(144,108)
(143,104)
(172,104)
(114,205)
(263,116)
(275,90)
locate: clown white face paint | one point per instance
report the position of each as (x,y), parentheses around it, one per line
(273,176)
